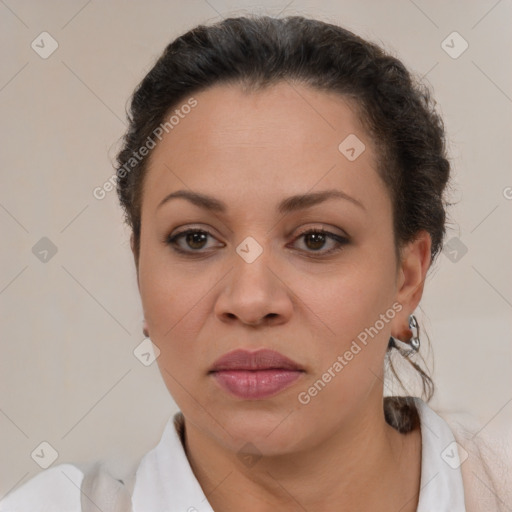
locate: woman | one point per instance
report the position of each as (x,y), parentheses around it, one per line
(284,183)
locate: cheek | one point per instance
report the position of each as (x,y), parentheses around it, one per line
(173,303)
(354,298)
(174,312)
(349,367)
(177,302)
(169,289)
(357,306)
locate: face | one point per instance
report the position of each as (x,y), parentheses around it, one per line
(250,278)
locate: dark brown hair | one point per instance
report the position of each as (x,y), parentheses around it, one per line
(255,52)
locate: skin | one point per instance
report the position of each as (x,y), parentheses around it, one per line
(251,150)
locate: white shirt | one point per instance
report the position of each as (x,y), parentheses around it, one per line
(165,481)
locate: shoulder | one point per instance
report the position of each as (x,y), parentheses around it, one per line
(56,488)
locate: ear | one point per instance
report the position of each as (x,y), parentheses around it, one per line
(414,264)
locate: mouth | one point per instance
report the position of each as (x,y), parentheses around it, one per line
(255,375)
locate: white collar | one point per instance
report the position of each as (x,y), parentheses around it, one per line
(441,486)
(165,479)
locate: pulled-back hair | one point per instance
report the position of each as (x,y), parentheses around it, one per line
(255,52)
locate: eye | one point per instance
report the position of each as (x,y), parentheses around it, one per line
(195,239)
(315,239)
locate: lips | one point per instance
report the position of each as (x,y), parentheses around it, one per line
(255,375)
(262,359)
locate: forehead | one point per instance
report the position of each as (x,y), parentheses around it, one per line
(275,142)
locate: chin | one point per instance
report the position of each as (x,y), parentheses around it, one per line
(266,432)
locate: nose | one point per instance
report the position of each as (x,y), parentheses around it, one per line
(254,294)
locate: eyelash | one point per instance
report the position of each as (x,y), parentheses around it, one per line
(340,240)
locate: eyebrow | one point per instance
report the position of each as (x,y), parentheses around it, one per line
(288,205)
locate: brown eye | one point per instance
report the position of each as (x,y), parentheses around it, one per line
(194,240)
(315,240)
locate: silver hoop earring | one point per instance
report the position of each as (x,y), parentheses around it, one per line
(415,328)
(414,341)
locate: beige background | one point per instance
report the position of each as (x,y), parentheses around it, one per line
(70,325)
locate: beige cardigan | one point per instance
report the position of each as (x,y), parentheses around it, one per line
(487,471)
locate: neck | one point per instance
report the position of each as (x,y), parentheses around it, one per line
(365,465)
